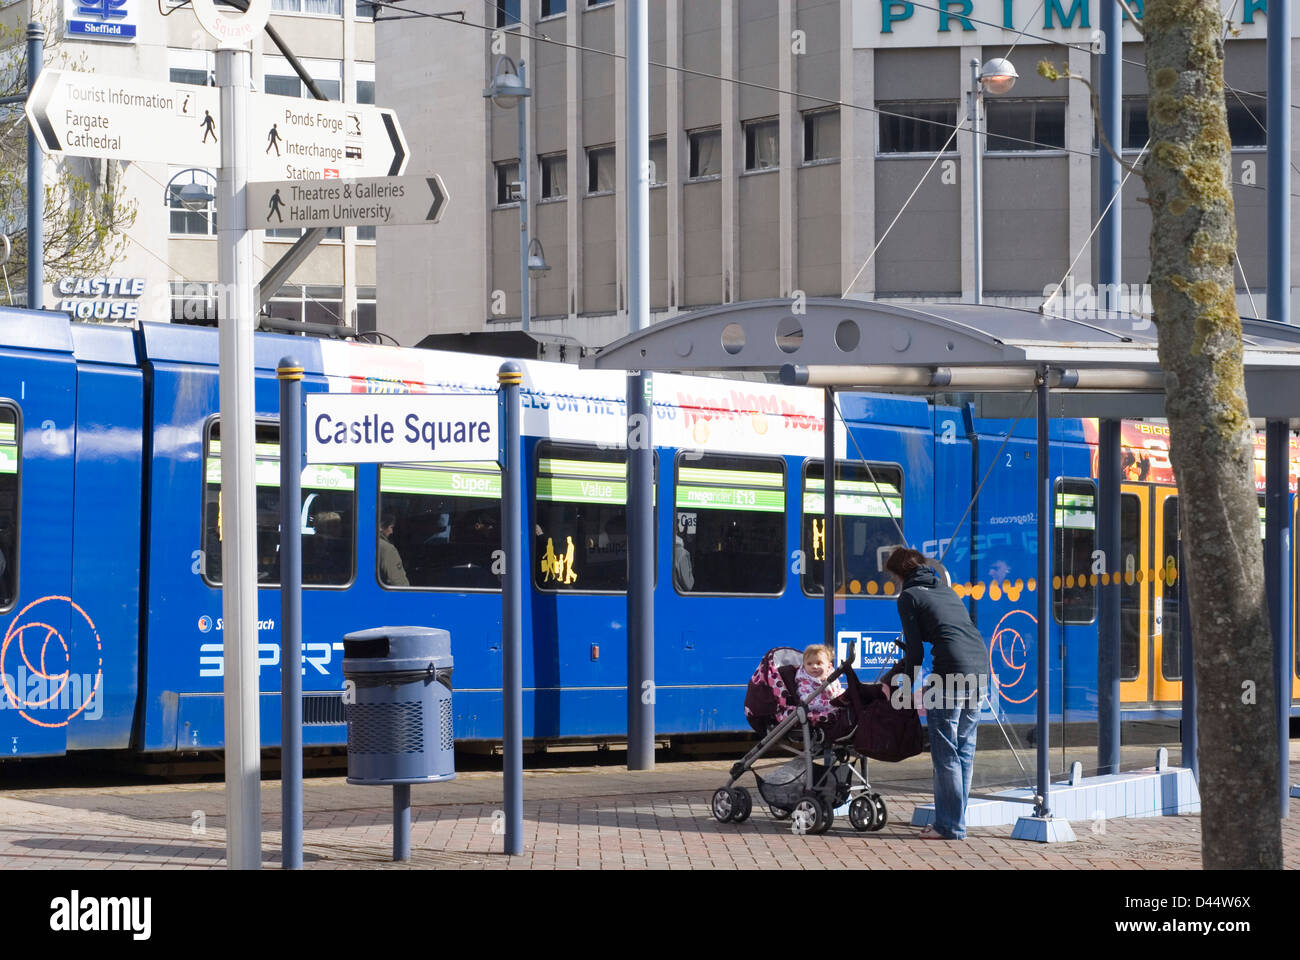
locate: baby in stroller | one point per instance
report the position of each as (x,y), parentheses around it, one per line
(797,705)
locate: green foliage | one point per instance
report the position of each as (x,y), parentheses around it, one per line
(87,213)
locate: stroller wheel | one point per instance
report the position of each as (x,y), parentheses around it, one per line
(862,813)
(808,814)
(724,804)
(778,813)
(744,804)
(828,814)
(882,812)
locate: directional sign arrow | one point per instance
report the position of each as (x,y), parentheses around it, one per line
(360,202)
(99,115)
(296,139)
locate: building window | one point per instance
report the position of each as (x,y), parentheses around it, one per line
(366,318)
(917,126)
(1018,126)
(1135,131)
(507,13)
(706,153)
(658,161)
(821,135)
(553,8)
(555,176)
(327,8)
(762,144)
(199,78)
(598,3)
(365,11)
(365,91)
(193,302)
(1247,120)
(600,169)
(366,234)
(187,222)
(312,304)
(507,178)
(282,80)
(194,67)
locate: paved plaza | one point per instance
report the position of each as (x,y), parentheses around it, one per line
(576,816)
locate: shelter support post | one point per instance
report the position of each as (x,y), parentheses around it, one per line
(1190,743)
(828,519)
(1110,478)
(1109,173)
(509,379)
(289,373)
(1277,582)
(1045,512)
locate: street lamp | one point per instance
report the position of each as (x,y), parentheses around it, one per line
(537,264)
(508,90)
(997,77)
(193,196)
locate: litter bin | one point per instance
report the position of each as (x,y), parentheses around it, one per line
(399,718)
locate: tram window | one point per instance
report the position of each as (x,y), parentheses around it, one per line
(580,517)
(868,521)
(1130,591)
(327,520)
(10,458)
(729,525)
(446,523)
(1074,593)
(1171,643)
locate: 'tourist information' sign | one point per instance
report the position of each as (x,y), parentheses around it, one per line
(99,115)
(412,428)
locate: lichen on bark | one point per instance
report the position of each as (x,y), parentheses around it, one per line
(1193,243)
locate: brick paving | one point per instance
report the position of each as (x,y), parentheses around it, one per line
(574,818)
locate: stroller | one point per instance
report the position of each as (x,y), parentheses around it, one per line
(804,790)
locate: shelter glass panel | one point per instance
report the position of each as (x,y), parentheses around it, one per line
(868,521)
(1171,648)
(1074,588)
(10,464)
(327,519)
(729,525)
(580,516)
(446,520)
(1130,591)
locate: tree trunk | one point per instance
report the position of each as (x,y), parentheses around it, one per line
(1193,246)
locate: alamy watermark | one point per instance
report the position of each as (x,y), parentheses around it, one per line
(1105,301)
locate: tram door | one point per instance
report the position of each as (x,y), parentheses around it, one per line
(1167,647)
(1135,601)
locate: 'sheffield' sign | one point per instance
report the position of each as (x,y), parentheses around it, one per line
(413,428)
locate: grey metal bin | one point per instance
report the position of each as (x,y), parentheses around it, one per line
(399,720)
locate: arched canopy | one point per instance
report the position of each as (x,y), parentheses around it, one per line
(1107,367)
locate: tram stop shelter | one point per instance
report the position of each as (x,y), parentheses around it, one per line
(1106,368)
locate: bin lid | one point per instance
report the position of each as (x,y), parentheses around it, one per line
(400,643)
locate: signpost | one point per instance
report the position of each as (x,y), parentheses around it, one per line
(97,115)
(373,201)
(412,428)
(295,139)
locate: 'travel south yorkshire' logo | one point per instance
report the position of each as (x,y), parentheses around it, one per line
(113,20)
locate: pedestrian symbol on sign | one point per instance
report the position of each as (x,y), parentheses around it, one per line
(276,203)
(209,127)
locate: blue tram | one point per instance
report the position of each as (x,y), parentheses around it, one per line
(110,505)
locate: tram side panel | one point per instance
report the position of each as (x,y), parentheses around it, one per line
(105,620)
(45,669)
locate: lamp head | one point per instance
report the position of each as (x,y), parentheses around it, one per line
(998,76)
(194,196)
(537,264)
(506,88)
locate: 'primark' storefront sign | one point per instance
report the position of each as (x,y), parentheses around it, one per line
(937,23)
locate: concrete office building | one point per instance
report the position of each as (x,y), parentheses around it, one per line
(767,187)
(171,256)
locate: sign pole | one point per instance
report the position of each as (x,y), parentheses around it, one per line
(239,509)
(510,378)
(289,373)
(35,180)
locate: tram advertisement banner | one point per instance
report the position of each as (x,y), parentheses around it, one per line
(1146,453)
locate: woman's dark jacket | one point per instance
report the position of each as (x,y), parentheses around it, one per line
(931,613)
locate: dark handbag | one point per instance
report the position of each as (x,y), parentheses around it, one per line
(885,732)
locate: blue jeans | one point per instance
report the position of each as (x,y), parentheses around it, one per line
(952,750)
